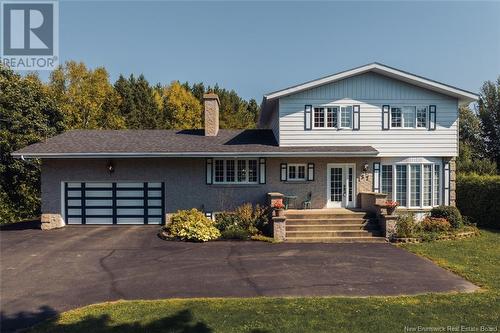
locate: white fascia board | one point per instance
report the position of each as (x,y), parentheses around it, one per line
(462,95)
(201,154)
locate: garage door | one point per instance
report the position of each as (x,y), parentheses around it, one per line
(114,203)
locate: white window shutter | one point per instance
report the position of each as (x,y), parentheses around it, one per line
(308,117)
(310,171)
(385,117)
(209,170)
(446,182)
(355,117)
(376,177)
(262,170)
(432,117)
(284,173)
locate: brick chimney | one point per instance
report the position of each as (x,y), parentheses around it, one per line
(211,104)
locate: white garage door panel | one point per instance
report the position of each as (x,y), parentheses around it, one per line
(114,203)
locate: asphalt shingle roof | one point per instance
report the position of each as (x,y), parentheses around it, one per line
(170,142)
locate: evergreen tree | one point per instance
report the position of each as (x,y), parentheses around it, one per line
(489,114)
(139,106)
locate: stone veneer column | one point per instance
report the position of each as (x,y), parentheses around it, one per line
(279,230)
(52,221)
(453,181)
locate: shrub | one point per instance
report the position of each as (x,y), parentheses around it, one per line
(192,225)
(406,225)
(435,224)
(450,213)
(235,232)
(246,217)
(477,198)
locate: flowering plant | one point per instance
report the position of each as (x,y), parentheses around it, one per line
(391,204)
(278,205)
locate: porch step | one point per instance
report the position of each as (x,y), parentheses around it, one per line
(331,227)
(323,221)
(337,233)
(352,215)
(336,240)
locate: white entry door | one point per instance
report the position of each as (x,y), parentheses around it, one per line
(341,185)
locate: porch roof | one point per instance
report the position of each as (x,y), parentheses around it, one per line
(176,143)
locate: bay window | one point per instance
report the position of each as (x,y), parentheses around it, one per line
(413,185)
(387,180)
(235,171)
(415,181)
(401,184)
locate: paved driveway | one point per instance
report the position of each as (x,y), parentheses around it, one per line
(45,272)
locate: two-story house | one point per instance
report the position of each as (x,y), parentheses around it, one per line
(369,129)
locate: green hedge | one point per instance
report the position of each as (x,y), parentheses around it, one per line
(478,197)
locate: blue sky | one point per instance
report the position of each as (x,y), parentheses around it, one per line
(258,47)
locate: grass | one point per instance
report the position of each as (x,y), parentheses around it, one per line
(477,259)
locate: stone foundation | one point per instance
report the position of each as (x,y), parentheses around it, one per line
(52,221)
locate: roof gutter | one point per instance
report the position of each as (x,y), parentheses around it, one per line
(194,154)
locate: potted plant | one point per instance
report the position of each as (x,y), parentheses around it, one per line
(390,206)
(279,209)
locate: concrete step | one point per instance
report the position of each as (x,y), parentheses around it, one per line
(336,240)
(332,227)
(339,233)
(324,215)
(323,221)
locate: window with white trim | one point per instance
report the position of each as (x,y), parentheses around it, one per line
(319,117)
(346,116)
(401,184)
(235,171)
(422,117)
(416,185)
(387,180)
(409,117)
(333,117)
(296,172)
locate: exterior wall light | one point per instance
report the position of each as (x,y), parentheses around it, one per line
(365,167)
(111,167)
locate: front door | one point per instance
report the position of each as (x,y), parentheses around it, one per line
(341,185)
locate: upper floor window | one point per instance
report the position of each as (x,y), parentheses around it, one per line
(346,116)
(409,117)
(333,117)
(235,171)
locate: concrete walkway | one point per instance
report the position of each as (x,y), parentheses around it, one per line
(46,272)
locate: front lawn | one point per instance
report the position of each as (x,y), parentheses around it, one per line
(477,259)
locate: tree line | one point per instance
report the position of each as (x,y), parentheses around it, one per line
(479,133)
(77,97)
